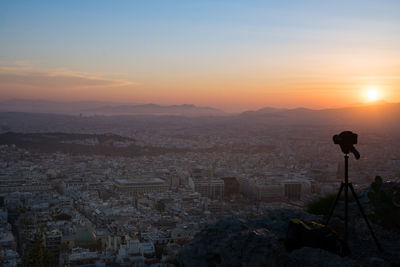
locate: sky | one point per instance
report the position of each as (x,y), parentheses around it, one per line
(234,55)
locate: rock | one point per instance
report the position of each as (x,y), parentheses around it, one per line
(277,220)
(260,242)
(317,257)
(377,262)
(233,243)
(302,233)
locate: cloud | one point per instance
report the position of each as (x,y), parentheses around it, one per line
(29,77)
(383,77)
(23,80)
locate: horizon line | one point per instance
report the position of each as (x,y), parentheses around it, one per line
(132,103)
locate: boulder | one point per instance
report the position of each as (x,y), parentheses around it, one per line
(303,233)
(307,256)
(232,242)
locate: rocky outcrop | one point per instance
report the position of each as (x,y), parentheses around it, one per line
(234,242)
(260,242)
(307,256)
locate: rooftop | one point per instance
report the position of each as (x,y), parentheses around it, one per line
(152,180)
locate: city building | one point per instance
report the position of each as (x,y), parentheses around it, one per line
(211,188)
(139,185)
(202,182)
(231,186)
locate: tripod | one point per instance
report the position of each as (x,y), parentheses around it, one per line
(346,185)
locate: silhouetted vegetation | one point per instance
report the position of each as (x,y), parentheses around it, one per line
(159,250)
(106,144)
(322,205)
(96,144)
(173,262)
(1,259)
(62,217)
(37,255)
(160,206)
(385,200)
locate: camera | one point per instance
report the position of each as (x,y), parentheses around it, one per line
(347,140)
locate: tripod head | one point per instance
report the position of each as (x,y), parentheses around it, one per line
(347,140)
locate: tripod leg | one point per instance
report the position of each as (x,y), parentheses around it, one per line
(346,211)
(346,202)
(365,218)
(334,203)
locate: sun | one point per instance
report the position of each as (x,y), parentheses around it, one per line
(372,95)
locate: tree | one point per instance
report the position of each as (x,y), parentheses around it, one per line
(1,258)
(62,217)
(37,254)
(159,250)
(160,206)
(384,198)
(322,205)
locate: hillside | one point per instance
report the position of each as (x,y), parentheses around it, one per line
(261,242)
(106,108)
(87,144)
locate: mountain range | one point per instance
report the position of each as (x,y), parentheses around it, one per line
(378,114)
(106,108)
(373,114)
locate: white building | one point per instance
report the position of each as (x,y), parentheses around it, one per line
(134,186)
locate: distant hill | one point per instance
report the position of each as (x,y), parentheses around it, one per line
(375,114)
(73,143)
(261,112)
(376,117)
(186,110)
(105,108)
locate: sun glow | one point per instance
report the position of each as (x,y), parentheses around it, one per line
(372,95)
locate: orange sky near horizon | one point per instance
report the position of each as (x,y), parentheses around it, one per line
(232,92)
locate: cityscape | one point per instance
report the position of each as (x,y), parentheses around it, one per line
(213,133)
(98,206)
